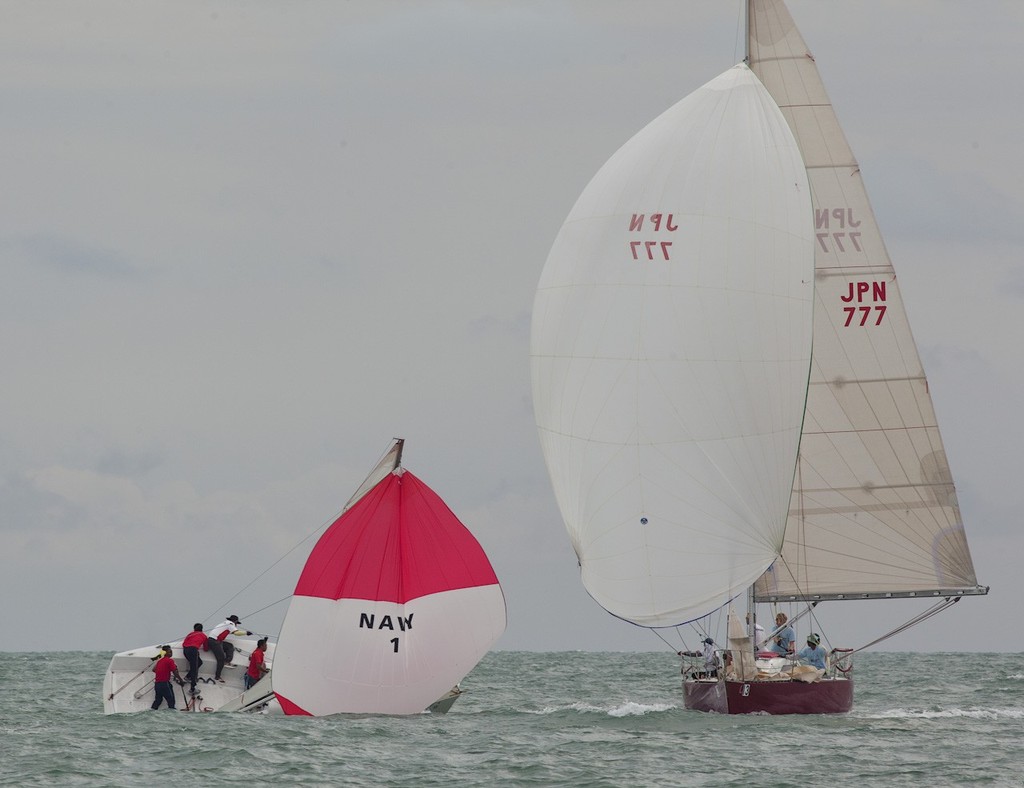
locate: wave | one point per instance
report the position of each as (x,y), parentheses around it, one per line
(630,709)
(977,714)
(626,709)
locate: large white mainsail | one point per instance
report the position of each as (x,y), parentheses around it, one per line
(874,511)
(670,351)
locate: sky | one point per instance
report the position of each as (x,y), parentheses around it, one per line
(246,244)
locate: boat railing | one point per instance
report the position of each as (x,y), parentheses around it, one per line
(840,663)
(695,665)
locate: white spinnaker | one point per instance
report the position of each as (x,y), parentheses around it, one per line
(670,355)
(874,510)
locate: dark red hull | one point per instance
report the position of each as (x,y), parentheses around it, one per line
(830,696)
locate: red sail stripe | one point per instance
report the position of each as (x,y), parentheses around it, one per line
(399,542)
(290,708)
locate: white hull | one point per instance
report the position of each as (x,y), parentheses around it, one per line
(128,683)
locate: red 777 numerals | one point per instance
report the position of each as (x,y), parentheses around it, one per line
(865,313)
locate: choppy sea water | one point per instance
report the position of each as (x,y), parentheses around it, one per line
(567,718)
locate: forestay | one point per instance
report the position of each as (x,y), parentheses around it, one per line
(670,353)
(874,511)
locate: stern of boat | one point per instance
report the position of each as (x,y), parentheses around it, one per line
(705,695)
(779,687)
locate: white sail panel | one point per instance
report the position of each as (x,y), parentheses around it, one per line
(361,656)
(874,510)
(670,351)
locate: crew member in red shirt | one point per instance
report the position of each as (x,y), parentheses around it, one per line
(257,669)
(162,670)
(193,641)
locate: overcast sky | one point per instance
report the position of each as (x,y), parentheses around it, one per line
(244,245)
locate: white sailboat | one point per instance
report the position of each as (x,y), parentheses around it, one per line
(397,602)
(695,444)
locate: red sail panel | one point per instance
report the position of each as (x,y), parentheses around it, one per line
(399,542)
(291,709)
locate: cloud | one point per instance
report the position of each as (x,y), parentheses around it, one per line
(922,200)
(63,255)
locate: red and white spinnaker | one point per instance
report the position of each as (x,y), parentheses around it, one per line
(396,604)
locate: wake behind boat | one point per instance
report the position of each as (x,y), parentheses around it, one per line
(697,447)
(396,604)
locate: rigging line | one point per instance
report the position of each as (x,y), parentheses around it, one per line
(935,609)
(809,604)
(701,634)
(663,640)
(791,621)
(317,530)
(123,686)
(267,607)
(704,631)
(817,624)
(792,574)
(265,571)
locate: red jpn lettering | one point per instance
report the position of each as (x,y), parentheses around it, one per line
(858,290)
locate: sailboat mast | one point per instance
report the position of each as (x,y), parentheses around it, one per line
(751,618)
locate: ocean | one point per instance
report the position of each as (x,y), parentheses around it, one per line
(558,719)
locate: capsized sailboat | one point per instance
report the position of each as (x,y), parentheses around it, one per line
(396,604)
(695,445)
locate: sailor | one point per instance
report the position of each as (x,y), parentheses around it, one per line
(813,654)
(710,659)
(782,640)
(257,668)
(222,648)
(163,668)
(193,641)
